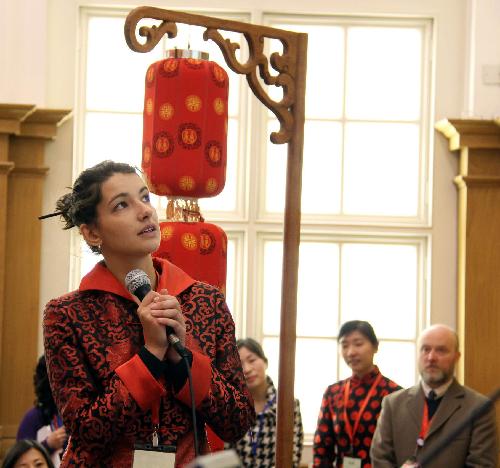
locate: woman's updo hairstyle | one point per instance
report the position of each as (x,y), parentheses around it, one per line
(79,206)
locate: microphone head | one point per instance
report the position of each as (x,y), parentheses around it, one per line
(137,281)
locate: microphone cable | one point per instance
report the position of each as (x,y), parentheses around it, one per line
(193,404)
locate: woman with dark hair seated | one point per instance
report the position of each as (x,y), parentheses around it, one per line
(351,407)
(257,447)
(42,422)
(27,453)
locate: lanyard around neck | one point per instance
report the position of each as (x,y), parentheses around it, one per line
(426,424)
(351,432)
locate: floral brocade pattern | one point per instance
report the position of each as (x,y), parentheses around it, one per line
(89,334)
(331,442)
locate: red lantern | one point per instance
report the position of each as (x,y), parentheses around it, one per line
(185,127)
(200,249)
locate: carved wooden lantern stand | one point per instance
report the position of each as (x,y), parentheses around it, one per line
(291,77)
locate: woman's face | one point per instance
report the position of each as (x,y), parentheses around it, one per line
(33,458)
(358,351)
(254,369)
(127,224)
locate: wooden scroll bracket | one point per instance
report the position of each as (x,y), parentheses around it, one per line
(291,77)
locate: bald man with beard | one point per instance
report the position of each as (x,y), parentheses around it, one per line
(415,420)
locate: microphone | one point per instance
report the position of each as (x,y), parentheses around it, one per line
(138,284)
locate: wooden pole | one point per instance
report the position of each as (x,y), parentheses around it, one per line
(291,242)
(290,110)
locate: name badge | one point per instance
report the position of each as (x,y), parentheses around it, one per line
(351,462)
(160,457)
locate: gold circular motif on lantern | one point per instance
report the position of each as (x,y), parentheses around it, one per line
(146,156)
(149,106)
(166,111)
(163,189)
(213,153)
(187,183)
(163,144)
(166,233)
(219,106)
(207,242)
(169,68)
(211,185)
(189,136)
(188,241)
(193,103)
(218,74)
(194,63)
(150,75)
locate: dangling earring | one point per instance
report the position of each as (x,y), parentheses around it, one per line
(99,249)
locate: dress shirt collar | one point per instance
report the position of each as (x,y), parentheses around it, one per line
(440,391)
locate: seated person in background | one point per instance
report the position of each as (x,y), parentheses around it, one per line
(27,454)
(350,407)
(42,422)
(415,420)
(257,447)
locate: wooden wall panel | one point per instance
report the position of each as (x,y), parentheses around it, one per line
(482,286)
(19,294)
(478,312)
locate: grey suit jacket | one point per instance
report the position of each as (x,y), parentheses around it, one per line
(400,420)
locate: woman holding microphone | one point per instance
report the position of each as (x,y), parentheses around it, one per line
(118,383)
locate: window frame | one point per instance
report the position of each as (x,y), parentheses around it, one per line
(249,223)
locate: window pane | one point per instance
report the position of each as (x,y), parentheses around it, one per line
(271,296)
(115,73)
(379,284)
(396,360)
(381,169)
(321,174)
(318,271)
(383,73)
(312,375)
(315,369)
(231,274)
(325,95)
(88,259)
(275,172)
(113,136)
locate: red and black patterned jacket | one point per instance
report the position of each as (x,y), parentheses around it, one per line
(331,442)
(104,391)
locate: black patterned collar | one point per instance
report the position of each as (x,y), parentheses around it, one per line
(367,379)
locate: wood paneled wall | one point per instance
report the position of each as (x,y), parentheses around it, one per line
(24,132)
(478,183)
